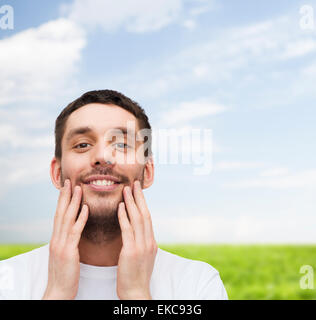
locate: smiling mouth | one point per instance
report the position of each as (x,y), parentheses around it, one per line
(103,182)
(102,185)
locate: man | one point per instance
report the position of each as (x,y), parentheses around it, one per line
(103,245)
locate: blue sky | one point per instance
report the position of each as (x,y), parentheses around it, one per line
(247,71)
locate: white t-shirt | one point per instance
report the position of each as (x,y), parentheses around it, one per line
(25,277)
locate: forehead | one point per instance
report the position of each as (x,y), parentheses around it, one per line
(100,117)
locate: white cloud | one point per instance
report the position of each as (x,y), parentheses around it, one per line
(190,110)
(27,118)
(202,7)
(233,165)
(38,62)
(299,48)
(189,24)
(11,136)
(309,70)
(138,16)
(241,228)
(28,231)
(24,169)
(22,131)
(132,15)
(185,146)
(200,70)
(304,179)
(177,142)
(36,65)
(225,56)
(275,172)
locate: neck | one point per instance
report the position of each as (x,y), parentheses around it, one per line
(100,254)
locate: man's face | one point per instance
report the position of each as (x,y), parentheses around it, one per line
(89,159)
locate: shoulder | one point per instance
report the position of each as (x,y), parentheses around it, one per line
(30,257)
(17,273)
(193,279)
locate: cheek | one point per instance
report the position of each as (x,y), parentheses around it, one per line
(71,169)
(134,171)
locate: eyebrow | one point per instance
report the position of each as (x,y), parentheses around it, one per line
(77,131)
(84,130)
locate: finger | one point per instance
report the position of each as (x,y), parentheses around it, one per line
(72,212)
(126,228)
(143,209)
(62,205)
(136,218)
(79,225)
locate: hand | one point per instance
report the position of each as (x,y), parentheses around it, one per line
(64,263)
(137,257)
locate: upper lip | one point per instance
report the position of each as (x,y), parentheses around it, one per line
(100,177)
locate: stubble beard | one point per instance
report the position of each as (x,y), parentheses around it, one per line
(103,225)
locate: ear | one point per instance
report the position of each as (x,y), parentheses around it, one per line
(149,173)
(55,173)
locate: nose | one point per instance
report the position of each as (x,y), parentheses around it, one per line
(103,155)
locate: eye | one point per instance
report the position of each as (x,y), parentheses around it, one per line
(121,145)
(83,145)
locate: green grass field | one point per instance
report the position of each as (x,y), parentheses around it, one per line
(248,271)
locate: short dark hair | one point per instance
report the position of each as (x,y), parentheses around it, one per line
(105,97)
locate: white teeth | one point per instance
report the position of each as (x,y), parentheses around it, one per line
(102,182)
